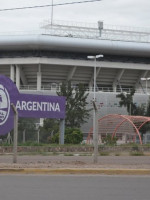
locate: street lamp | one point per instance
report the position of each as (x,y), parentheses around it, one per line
(95,125)
(145,79)
(94,58)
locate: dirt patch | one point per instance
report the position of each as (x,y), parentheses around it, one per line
(61,161)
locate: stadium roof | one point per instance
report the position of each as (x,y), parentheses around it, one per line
(85,38)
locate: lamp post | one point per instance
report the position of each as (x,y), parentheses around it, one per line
(95,125)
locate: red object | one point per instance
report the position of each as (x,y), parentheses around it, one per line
(119,125)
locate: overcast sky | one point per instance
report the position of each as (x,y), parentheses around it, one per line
(134,13)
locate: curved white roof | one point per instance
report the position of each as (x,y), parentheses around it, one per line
(57,43)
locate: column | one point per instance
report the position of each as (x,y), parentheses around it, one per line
(39,78)
(114,87)
(18,77)
(12,73)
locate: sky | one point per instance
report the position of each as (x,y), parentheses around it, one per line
(132,13)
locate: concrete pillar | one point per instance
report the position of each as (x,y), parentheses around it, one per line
(12,73)
(114,87)
(39,78)
(61,131)
(18,76)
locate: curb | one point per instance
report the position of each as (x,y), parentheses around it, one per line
(75,171)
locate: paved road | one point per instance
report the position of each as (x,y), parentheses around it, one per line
(42,187)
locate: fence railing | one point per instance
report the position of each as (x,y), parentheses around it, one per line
(89,89)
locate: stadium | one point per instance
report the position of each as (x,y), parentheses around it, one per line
(40,62)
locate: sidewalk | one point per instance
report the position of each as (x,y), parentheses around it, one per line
(75,164)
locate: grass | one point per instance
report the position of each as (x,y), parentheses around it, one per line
(103,153)
(136,153)
(117,154)
(68,154)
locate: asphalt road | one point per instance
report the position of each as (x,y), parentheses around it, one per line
(64,187)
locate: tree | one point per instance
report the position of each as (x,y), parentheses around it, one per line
(147,113)
(50,128)
(72,136)
(29,126)
(76,104)
(127,101)
(108,140)
(139,111)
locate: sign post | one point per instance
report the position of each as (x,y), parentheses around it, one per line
(61,130)
(15,133)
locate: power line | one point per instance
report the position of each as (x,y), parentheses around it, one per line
(43,6)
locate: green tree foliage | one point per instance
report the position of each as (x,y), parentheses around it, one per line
(29,125)
(54,139)
(139,111)
(147,112)
(126,99)
(108,140)
(72,136)
(50,128)
(76,104)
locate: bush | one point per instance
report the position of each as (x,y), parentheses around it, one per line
(104,153)
(137,153)
(72,136)
(54,139)
(50,127)
(108,140)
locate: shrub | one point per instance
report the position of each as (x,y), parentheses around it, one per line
(137,153)
(108,140)
(104,153)
(135,147)
(72,136)
(54,139)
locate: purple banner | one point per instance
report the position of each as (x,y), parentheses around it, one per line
(40,106)
(28,105)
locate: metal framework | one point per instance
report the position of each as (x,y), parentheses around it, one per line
(124,127)
(96,31)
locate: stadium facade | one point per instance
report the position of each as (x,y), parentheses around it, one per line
(40,62)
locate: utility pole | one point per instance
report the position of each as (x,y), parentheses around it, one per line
(52,14)
(15,133)
(95,111)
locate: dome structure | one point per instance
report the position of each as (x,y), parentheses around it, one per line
(121,126)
